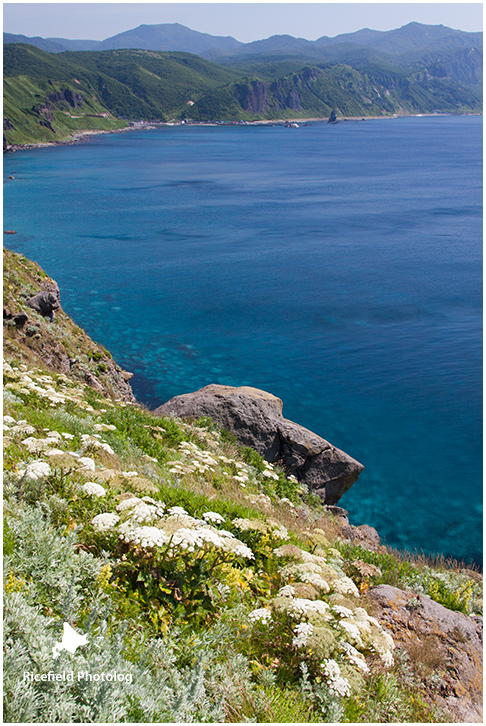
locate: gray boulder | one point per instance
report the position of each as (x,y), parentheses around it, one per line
(46,302)
(255,418)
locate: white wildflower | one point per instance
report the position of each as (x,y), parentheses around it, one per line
(67,436)
(144,536)
(286,591)
(54,435)
(128,504)
(342,611)
(93,489)
(54,452)
(313,578)
(304,607)
(34,445)
(130,473)
(8,420)
(261,615)
(149,500)
(106,447)
(87,463)
(175,511)
(302,632)
(23,428)
(352,631)
(104,522)
(345,586)
(339,685)
(213,517)
(36,470)
(238,548)
(354,656)
(143,512)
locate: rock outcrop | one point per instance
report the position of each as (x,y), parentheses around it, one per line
(46,302)
(440,640)
(255,418)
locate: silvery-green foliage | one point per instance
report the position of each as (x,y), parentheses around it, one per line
(9,397)
(28,643)
(63,575)
(321,696)
(153,689)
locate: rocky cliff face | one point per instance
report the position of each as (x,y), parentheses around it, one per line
(36,328)
(253,97)
(438,638)
(255,417)
(284,94)
(45,110)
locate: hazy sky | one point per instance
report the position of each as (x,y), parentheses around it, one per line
(244,21)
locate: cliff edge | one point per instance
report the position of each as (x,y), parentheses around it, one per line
(36,328)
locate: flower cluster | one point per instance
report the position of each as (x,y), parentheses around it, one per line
(93,489)
(26,381)
(269,472)
(302,632)
(104,522)
(354,657)
(261,615)
(36,470)
(338,685)
(95,442)
(274,529)
(213,517)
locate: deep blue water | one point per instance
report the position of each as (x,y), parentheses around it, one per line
(338,267)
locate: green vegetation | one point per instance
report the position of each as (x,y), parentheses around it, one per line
(49,97)
(211,581)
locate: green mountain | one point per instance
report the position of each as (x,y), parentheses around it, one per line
(48,97)
(51,96)
(314,91)
(168,36)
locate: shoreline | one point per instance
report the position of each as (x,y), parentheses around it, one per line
(80,136)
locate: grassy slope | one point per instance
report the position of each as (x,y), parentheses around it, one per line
(179,619)
(30,75)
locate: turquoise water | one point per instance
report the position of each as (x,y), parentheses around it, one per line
(338,267)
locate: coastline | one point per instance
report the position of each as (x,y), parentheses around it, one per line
(81,136)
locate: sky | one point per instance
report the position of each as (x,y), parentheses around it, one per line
(244,21)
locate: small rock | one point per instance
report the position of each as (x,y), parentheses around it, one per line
(20,319)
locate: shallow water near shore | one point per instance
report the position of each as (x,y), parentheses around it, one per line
(338,267)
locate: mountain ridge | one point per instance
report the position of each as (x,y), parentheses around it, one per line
(174,36)
(49,96)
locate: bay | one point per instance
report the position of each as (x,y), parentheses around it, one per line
(336,266)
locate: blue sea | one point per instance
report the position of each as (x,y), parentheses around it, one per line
(336,266)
